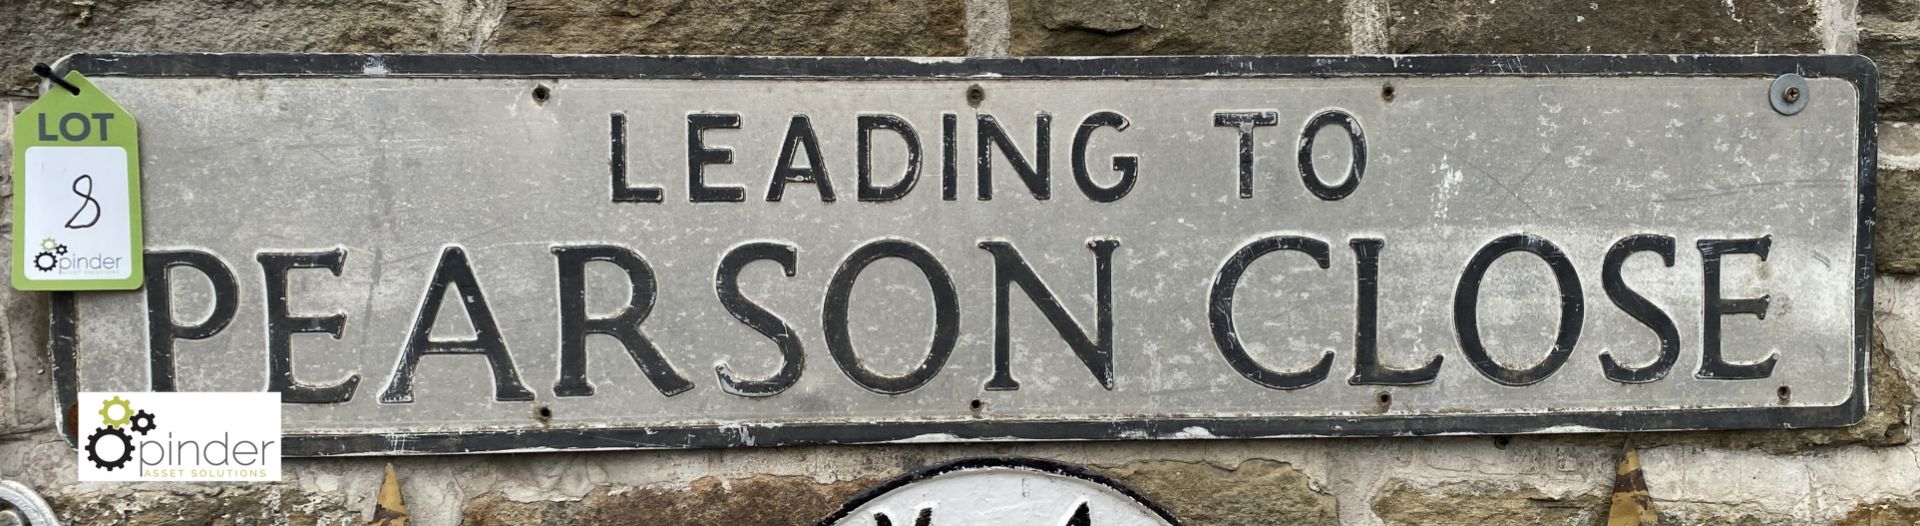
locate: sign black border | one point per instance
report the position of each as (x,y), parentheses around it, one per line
(1858,70)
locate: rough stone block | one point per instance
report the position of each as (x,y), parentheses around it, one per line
(1896,228)
(26,393)
(1602,26)
(1713,514)
(1147,27)
(1905,510)
(43,31)
(1485,503)
(764,500)
(230,505)
(1890,35)
(733,27)
(1255,492)
(1899,9)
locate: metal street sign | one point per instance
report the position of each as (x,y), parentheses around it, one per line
(457,253)
(1000,491)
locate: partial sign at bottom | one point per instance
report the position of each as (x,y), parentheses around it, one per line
(1001,491)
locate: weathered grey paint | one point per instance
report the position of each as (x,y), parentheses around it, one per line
(394,170)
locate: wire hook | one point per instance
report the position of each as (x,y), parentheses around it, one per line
(46,72)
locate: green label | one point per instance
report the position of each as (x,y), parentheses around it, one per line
(76,189)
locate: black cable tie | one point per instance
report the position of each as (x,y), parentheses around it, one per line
(46,72)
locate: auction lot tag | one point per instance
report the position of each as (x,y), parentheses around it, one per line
(466,253)
(76,188)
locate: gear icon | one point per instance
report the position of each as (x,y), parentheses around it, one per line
(106,412)
(93,448)
(45,261)
(61,250)
(49,244)
(142,422)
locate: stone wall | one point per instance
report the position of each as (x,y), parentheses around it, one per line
(1866,474)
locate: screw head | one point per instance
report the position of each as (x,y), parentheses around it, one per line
(1788,94)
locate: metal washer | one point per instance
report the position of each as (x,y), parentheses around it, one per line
(1779,96)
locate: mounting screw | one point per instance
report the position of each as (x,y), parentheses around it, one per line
(1788,94)
(975,95)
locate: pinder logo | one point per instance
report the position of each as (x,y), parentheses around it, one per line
(50,253)
(202,437)
(116,428)
(68,258)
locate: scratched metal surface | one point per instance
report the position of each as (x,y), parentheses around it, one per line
(393,170)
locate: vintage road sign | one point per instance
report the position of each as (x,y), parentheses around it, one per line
(459,253)
(1021,491)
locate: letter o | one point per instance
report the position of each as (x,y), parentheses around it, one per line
(86,127)
(1354,169)
(946,312)
(1466,299)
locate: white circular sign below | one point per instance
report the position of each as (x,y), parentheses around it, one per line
(1010,492)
